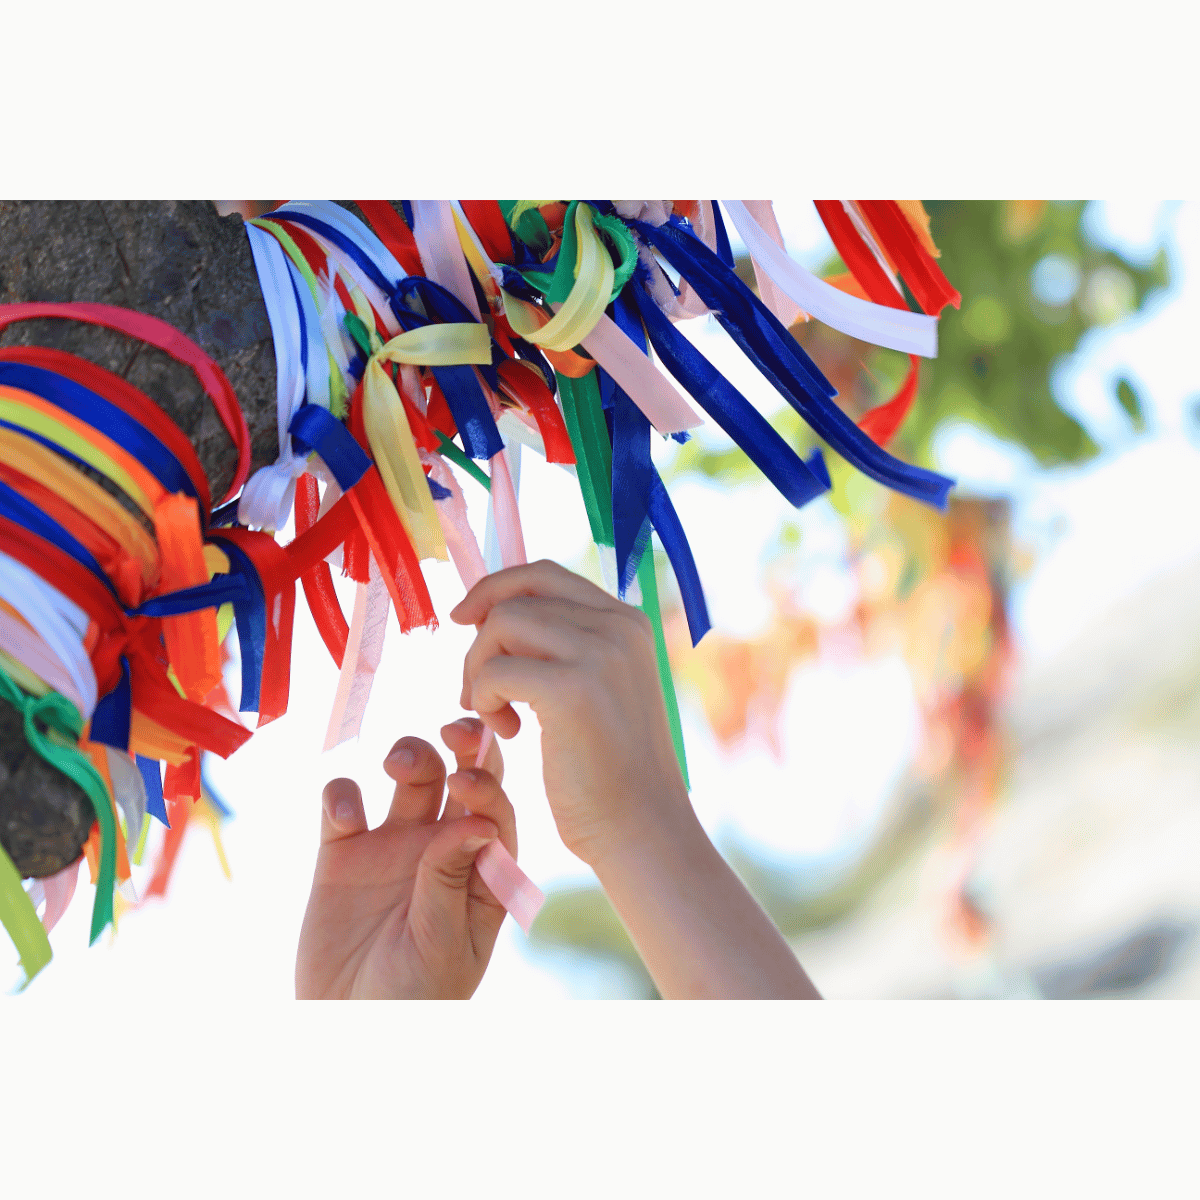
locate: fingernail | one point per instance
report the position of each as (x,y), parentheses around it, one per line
(464,779)
(476,843)
(465,723)
(402,757)
(345,812)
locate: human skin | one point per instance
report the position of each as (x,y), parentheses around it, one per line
(399,911)
(585,663)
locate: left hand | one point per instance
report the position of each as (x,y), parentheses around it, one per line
(400,912)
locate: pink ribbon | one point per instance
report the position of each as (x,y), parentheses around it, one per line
(364,650)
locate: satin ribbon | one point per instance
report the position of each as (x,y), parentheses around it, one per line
(267,496)
(916,265)
(167,338)
(60,625)
(126,552)
(796,480)
(441,253)
(781,359)
(911,333)
(316,431)
(119,392)
(363,654)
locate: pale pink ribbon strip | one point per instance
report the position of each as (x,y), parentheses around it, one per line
(364,650)
(441,252)
(58,890)
(521,897)
(639,378)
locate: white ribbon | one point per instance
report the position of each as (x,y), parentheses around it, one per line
(59,622)
(129,791)
(783,306)
(897,329)
(267,496)
(353,229)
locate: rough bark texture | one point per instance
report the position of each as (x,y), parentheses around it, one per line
(177,260)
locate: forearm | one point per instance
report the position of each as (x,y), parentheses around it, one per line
(699,931)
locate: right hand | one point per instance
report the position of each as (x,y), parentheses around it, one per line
(585,663)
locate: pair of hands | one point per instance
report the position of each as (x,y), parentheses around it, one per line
(400,911)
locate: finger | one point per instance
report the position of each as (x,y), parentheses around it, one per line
(462,739)
(505,680)
(534,627)
(543,578)
(479,793)
(342,814)
(438,911)
(420,776)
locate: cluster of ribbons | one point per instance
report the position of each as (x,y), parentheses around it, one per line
(428,344)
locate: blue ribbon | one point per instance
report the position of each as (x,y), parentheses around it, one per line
(115,423)
(632,471)
(314,430)
(797,481)
(220,589)
(464,397)
(639,498)
(250,616)
(27,514)
(670,533)
(784,363)
(112,715)
(152,778)
(225,514)
(724,250)
(365,263)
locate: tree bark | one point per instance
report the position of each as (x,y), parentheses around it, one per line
(181,262)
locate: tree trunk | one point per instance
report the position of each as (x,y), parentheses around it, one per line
(181,262)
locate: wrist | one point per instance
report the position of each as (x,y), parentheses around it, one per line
(658,840)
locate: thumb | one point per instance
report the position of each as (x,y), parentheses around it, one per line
(439,899)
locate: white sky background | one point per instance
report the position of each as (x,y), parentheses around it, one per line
(1101,530)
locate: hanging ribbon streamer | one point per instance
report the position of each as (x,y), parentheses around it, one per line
(781,359)
(881,326)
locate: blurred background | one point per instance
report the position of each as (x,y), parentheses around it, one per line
(953,755)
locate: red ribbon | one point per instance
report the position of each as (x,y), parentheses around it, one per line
(166,338)
(317,579)
(125,396)
(527,385)
(918,268)
(391,230)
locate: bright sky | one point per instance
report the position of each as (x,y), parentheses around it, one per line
(1101,530)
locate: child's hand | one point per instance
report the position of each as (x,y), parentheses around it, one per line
(399,912)
(585,663)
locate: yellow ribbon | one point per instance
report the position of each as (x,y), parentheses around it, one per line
(389,433)
(83,494)
(578,315)
(12,410)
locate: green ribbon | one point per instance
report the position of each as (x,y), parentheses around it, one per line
(20,918)
(449,450)
(58,746)
(648,582)
(593,461)
(556,286)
